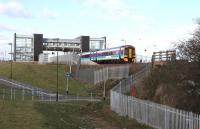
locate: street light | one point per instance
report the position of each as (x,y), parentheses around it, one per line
(124,45)
(10,59)
(57,71)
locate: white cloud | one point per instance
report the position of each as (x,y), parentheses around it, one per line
(7,27)
(48,14)
(4,50)
(3,42)
(151,40)
(181,31)
(2,39)
(104,9)
(111,9)
(14,9)
(4,47)
(11,28)
(165,39)
(141,18)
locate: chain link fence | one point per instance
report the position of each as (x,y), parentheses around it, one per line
(94,76)
(70,58)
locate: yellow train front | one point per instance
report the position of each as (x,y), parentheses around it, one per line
(122,54)
(129,54)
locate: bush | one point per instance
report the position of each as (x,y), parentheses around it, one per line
(175,84)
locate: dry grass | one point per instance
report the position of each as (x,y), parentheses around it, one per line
(170,85)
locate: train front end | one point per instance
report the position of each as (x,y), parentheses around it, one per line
(129,54)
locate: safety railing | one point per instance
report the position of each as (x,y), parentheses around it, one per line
(150,113)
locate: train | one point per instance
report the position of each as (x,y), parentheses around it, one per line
(121,54)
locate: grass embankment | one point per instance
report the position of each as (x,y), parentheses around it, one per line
(26,114)
(44,76)
(36,115)
(113,82)
(19,115)
(175,84)
(11,94)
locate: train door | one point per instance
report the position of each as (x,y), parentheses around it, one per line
(130,53)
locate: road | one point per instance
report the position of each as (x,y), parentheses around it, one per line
(43,94)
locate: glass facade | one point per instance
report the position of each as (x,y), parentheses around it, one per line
(97,43)
(24,48)
(28,47)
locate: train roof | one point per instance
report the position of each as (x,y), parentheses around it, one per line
(118,47)
(108,49)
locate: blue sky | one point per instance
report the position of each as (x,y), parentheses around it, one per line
(146,24)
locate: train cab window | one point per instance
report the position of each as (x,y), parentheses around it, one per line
(126,51)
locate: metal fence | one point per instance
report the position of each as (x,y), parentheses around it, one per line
(152,114)
(86,75)
(15,94)
(70,58)
(10,93)
(116,72)
(95,76)
(15,91)
(142,59)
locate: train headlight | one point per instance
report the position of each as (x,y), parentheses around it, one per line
(125,59)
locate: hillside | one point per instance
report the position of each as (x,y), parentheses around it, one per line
(28,114)
(175,84)
(69,115)
(43,76)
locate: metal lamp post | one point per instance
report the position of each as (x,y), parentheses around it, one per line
(124,45)
(57,72)
(10,60)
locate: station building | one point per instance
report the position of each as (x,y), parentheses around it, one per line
(29,47)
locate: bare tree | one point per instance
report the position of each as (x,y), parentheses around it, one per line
(190,49)
(178,82)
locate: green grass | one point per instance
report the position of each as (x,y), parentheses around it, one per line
(17,94)
(70,115)
(27,114)
(44,76)
(20,115)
